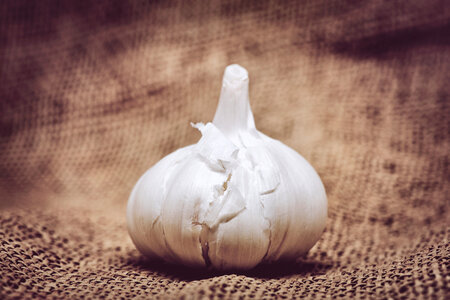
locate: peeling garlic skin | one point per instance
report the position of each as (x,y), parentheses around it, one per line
(235,199)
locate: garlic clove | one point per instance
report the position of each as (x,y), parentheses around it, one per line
(145,206)
(242,241)
(182,211)
(299,206)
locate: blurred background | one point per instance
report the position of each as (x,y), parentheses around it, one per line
(93,93)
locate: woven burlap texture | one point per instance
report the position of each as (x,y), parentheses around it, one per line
(93,93)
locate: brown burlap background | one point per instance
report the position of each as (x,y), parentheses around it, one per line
(93,93)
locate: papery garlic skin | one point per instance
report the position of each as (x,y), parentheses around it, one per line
(233,200)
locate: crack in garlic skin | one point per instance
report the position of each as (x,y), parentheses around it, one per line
(233,200)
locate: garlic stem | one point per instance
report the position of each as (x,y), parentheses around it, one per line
(233,112)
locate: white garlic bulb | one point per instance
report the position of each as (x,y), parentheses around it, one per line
(233,200)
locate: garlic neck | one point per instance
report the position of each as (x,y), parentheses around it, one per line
(233,114)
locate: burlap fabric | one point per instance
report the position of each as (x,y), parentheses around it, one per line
(93,93)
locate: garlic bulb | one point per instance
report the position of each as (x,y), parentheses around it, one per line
(233,200)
